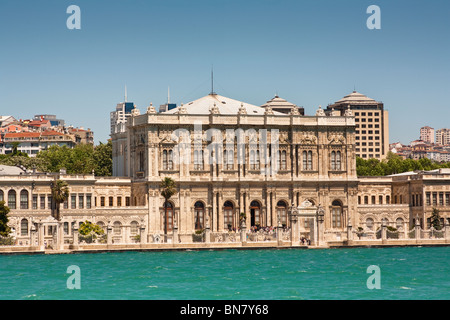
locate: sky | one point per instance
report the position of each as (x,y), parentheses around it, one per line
(310,53)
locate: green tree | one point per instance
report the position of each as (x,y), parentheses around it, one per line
(5,230)
(168,189)
(60,192)
(103,159)
(436,219)
(87,227)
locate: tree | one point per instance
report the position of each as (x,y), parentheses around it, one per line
(89,231)
(168,189)
(60,193)
(103,159)
(436,219)
(5,230)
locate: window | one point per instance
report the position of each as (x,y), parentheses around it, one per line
(399,223)
(441,198)
(119,201)
(254,159)
(228,215)
(283,163)
(255,213)
(73,201)
(168,217)
(388,199)
(428,198)
(12,199)
(2,196)
(35,202)
(24,227)
(336,214)
(66,228)
(198,159)
(49,201)
(127,201)
(117,228)
(369,223)
(335,160)
(102,201)
(170,160)
(307,160)
(24,199)
(373,199)
(81,201)
(366,199)
(134,227)
(380,199)
(199,215)
(110,201)
(42,200)
(282,212)
(228,157)
(88,201)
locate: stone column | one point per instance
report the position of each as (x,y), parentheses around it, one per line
(279,233)
(446,230)
(417,229)
(349,231)
(109,234)
(41,236)
(75,236)
(295,238)
(32,235)
(207,229)
(142,234)
(243,232)
(383,232)
(405,229)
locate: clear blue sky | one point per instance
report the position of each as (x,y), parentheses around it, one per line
(310,52)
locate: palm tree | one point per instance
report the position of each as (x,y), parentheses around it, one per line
(168,189)
(60,193)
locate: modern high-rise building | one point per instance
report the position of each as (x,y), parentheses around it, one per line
(427,134)
(443,136)
(119,117)
(372,124)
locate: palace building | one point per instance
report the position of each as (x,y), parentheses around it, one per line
(229,157)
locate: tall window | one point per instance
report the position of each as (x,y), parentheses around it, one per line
(81,201)
(167,160)
(228,215)
(73,201)
(12,199)
(254,159)
(198,159)
(35,202)
(134,227)
(168,217)
(255,213)
(110,201)
(119,201)
(117,228)
(336,214)
(228,157)
(42,202)
(282,163)
(335,160)
(88,201)
(24,227)
(307,160)
(199,215)
(24,199)
(2,196)
(282,212)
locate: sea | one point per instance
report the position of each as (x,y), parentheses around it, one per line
(394,273)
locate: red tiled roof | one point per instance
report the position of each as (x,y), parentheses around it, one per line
(22,135)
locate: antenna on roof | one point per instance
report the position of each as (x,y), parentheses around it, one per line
(212,80)
(168,95)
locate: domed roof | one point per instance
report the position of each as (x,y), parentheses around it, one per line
(280,104)
(221,105)
(356,97)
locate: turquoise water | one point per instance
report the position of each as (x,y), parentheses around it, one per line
(405,273)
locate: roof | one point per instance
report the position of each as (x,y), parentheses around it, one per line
(356,97)
(279,103)
(225,106)
(22,135)
(10,170)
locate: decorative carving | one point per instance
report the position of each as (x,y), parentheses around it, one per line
(320,112)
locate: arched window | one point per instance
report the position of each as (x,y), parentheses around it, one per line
(12,199)
(336,214)
(168,217)
(255,213)
(117,228)
(369,223)
(228,214)
(399,223)
(282,212)
(199,215)
(134,227)
(24,227)
(24,199)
